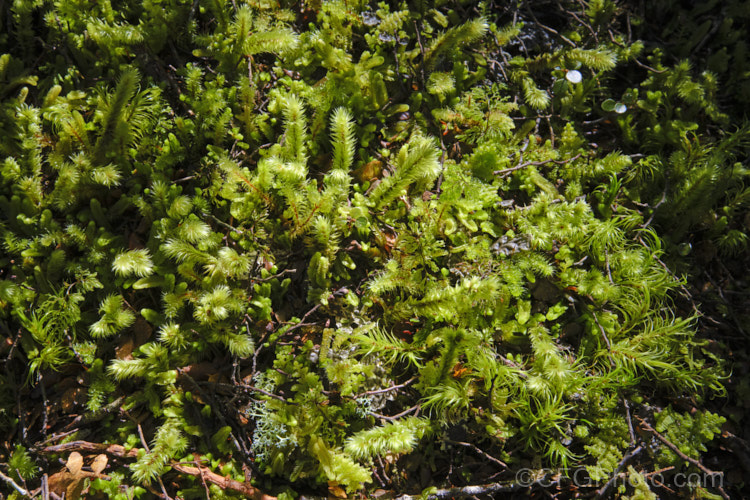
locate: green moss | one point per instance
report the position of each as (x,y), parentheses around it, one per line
(326,241)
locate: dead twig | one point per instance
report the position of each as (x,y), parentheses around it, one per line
(504,172)
(224,483)
(205,473)
(398,415)
(87,447)
(484,489)
(247,388)
(479,451)
(627,458)
(387,389)
(95,416)
(15,485)
(680,454)
(606,339)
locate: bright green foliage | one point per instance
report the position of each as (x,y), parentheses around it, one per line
(114,317)
(134,262)
(396,438)
(688,432)
(640,485)
(326,241)
(21,465)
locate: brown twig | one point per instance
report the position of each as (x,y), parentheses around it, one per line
(479,451)
(219,413)
(387,389)
(468,491)
(603,490)
(629,420)
(199,471)
(95,416)
(739,447)
(222,482)
(680,454)
(87,447)
(506,171)
(394,417)
(606,339)
(15,485)
(248,388)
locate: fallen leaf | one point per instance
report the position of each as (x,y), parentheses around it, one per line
(73,492)
(59,482)
(369,171)
(74,463)
(336,490)
(125,349)
(142,331)
(459,370)
(71,397)
(99,463)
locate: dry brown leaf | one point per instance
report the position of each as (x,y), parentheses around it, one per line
(142,331)
(73,492)
(99,463)
(59,481)
(125,349)
(336,490)
(74,463)
(72,397)
(369,171)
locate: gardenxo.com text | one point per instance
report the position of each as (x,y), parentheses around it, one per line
(581,479)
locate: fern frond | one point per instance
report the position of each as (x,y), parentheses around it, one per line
(114,317)
(108,175)
(194,230)
(121,34)
(168,442)
(229,264)
(337,466)
(171,335)
(215,305)
(440,84)
(183,251)
(450,399)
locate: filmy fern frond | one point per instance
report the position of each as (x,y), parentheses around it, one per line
(450,399)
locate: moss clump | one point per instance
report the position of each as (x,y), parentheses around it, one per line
(300,248)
